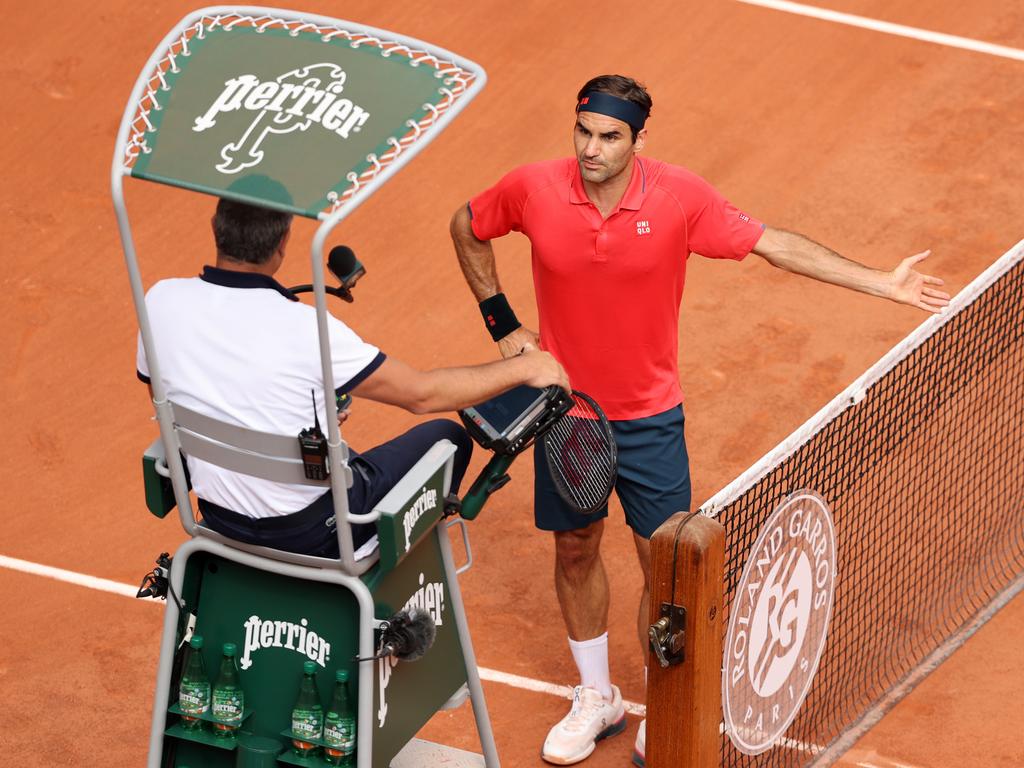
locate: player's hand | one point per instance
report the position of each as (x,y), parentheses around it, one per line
(344,403)
(520,339)
(545,370)
(343,415)
(908,286)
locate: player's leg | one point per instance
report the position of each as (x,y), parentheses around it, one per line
(643,553)
(581,582)
(653,484)
(581,585)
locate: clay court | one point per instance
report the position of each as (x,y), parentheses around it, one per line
(876,144)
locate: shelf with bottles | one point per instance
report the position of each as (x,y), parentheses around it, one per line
(204,733)
(325,737)
(221,705)
(315,758)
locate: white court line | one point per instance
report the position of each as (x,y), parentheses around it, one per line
(491,675)
(562,691)
(900,30)
(126,590)
(80,579)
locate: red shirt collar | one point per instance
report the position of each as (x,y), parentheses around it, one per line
(631,200)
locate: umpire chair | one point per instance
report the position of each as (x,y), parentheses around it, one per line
(188,124)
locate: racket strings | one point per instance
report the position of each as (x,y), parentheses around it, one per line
(577,467)
(582,456)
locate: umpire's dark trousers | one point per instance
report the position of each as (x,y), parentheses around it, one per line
(311,531)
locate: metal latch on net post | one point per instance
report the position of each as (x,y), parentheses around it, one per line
(667,636)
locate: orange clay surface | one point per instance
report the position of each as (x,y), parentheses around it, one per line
(876,145)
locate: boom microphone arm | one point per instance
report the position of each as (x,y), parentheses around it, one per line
(344,265)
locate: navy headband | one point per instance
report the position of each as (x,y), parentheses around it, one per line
(631,114)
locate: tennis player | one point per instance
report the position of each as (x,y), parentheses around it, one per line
(610,227)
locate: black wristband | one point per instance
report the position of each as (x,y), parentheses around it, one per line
(498,316)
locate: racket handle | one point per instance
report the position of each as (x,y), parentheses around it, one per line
(490,479)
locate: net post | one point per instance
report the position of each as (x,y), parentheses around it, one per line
(684,699)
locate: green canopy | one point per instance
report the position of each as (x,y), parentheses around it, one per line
(298,113)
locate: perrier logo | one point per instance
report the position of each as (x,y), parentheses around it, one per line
(425,502)
(292,102)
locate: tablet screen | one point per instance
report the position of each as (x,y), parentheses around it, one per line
(502,411)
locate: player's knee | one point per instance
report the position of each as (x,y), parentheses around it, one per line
(578,549)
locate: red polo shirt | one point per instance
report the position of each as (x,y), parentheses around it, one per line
(608,290)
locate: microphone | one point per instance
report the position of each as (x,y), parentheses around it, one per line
(407,635)
(344,265)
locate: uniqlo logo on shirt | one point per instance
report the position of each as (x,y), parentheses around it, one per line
(643,227)
(744,218)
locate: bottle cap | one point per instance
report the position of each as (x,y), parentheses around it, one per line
(341,675)
(309,667)
(196,641)
(230,649)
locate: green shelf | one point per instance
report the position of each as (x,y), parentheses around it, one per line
(201,735)
(316,760)
(290,758)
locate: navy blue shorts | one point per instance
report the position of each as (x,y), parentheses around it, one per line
(311,531)
(653,481)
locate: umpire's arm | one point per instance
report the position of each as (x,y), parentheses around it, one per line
(476,258)
(798,254)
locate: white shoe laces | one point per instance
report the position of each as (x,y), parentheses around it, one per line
(582,710)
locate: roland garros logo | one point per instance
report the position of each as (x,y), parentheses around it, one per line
(292,102)
(779,622)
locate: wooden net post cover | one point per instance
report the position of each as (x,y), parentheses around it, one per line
(684,699)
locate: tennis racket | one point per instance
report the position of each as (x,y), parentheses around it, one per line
(581,455)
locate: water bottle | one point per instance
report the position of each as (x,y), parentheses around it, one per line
(194,690)
(308,713)
(340,725)
(228,698)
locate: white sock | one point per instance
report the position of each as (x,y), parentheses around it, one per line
(592,661)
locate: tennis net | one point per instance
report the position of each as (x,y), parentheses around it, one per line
(920,461)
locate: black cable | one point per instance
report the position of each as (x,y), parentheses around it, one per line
(675,550)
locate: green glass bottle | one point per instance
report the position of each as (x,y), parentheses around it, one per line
(340,724)
(228,698)
(194,690)
(308,713)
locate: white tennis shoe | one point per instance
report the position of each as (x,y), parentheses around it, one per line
(591,719)
(640,745)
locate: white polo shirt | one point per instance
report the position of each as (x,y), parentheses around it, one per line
(239,347)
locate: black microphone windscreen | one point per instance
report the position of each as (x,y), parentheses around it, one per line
(415,631)
(342,262)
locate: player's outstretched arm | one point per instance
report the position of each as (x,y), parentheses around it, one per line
(476,258)
(449,389)
(801,255)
